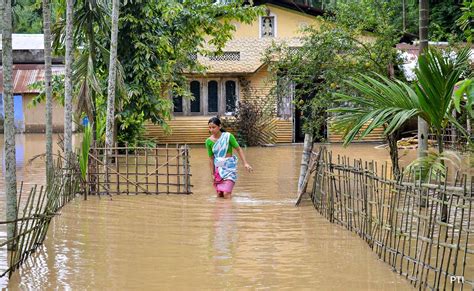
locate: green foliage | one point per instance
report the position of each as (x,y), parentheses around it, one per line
(465,92)
(443,15)
(57,90)
(27,16)
(253,121)
(334,51)
(392,103)
(434,165)
(436,76)
(156,39)
(84,153)
(466,19)
(377,103)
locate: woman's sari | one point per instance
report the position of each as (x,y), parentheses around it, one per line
(225,167)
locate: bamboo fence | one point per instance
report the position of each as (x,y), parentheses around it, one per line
(422,230)
(34,213)
(140,170)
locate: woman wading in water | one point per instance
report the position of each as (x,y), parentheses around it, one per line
(221,161)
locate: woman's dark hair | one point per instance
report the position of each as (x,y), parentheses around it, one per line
(215,120)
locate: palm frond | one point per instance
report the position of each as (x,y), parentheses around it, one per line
(379,102)
(437,75)
(434,164)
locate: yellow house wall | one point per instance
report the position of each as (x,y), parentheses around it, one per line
(35,116)
(288,23)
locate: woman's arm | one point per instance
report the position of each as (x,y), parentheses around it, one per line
(240,152)
(211,165)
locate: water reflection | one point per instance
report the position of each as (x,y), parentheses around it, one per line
(258,239)
(225,236)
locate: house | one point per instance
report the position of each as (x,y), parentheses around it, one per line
(28,68)
(238,70)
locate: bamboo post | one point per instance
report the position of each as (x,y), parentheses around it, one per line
(127,165)
(146,171)
(135,153)
(167,170)
(178,178)
(117,167)
(157,172)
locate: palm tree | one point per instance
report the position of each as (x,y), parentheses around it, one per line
(90,19)
(110,118)
(68,83)
(423,33)
(48,88)
(383,102)
(9,126)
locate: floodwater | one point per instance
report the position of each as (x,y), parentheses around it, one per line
(256,240)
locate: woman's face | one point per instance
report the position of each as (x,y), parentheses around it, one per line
(214,129)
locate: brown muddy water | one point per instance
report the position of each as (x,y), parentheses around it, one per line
(256,240)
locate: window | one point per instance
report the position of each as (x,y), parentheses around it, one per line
(178,103)
(230,98)
(267,26)
(195,88)
(212,96)
(285,96)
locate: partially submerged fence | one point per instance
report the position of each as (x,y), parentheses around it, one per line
(421,229)
(140,170)
(35,210)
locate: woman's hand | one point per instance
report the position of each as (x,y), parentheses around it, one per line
(248,167)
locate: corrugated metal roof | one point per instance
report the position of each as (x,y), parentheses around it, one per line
(25,75)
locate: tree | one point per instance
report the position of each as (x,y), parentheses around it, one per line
(90,33)
(48,88)
(423,33)
(155,46)
(109,129)
(9,126)
(381,101)
(68,83)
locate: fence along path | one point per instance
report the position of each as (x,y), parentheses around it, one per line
(422,230)
(35,210)
(140,170)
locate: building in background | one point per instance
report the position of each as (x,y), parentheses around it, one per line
(28,68)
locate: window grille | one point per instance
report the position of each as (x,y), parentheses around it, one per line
(268,26)
(193,57)
(226,56)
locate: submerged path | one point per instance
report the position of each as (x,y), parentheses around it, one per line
(258,239)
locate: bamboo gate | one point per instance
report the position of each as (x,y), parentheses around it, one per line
(131,171)
(35,209)
(140,170)
(402,221)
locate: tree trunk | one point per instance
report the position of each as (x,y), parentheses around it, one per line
(404,15)
(48,90)
(308,145)
(9,123)
(68,84)
(423,31)
(109,127)
(93,118)
(392,143)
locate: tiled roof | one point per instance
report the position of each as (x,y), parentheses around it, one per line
(25,75)
(251,53)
